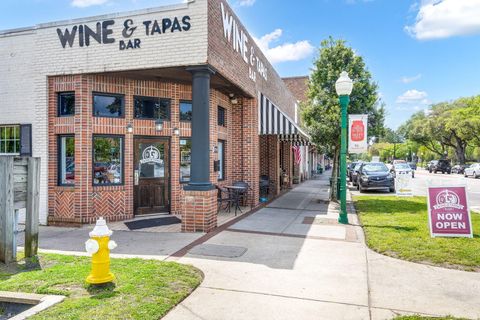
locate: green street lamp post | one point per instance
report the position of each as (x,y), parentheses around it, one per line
(343,86)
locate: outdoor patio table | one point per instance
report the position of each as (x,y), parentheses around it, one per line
(234,193)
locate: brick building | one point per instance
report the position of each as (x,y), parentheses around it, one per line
(146,111)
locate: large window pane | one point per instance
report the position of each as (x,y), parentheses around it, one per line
(66,167)
(66,103)
(107,160)
(151,108)
(185,159)
(185,111)
(221,159)
(108,105)
(9,139)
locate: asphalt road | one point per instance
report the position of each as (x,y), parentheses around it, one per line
(423,177)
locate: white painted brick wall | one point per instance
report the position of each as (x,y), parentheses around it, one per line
(29,57)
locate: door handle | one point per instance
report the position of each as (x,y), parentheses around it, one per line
(135,177)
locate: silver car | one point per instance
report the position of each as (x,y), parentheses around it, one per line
(473,171)
(402,168)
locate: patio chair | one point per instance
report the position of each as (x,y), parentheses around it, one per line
(264,185)
(223,196)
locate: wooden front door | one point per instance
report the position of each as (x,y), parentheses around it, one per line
(151,175)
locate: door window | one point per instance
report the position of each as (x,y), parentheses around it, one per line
(152,160)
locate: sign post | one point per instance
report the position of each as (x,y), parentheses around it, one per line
(403,185)
(448,212)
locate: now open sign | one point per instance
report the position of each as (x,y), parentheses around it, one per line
(448,212)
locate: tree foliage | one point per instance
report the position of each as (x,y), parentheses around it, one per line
(321,112)
(454,125)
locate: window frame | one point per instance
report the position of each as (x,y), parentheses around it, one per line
(180,159)
(18,127)
(61,93)
(59,160)
(224,122)
(223,171)
(106,94)
(122,154)
(180,111)
(169,111)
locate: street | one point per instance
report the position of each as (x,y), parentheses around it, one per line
(423,177)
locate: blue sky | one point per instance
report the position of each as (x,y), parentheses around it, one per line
(419,52)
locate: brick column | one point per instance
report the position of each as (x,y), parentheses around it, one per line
(199,211)
(251,150)
(274,165)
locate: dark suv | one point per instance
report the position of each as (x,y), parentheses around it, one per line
(442,166)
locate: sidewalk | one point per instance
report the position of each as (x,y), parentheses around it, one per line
(292,260)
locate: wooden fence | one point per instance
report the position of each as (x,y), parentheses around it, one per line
(19,188)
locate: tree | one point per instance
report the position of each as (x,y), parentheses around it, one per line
(321,112)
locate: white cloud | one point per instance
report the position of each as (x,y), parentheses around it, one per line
(87,3)
(283,52)
(411,79)
(413,97)
(246,3)
(438,19)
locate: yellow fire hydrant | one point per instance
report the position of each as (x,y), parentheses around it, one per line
(99,246)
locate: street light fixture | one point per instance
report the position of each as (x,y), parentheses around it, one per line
(343,86)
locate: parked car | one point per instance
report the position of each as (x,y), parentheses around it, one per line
(473,171)
(374,175)
(459,168)
(355,172)
(413,165)
(442,165)
(430,165)
(402,168)
(350,168)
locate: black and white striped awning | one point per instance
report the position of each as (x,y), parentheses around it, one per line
(272,121)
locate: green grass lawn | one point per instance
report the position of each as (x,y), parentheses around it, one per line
(398,227)
(144,289)
(415,317)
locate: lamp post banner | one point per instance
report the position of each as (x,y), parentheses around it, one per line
(448,212)
(357,133)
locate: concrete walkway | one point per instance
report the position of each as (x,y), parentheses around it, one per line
(291,260)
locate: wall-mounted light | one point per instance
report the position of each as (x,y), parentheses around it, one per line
(233,100)
(159,124)
(129,128)
(176,131)
(215,149)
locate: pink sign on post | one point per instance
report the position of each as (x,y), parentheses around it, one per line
(448,212)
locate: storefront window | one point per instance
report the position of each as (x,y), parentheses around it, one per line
(66,104)
(185,111)
(9,139)
(185,159)
(221,121)
(66,157)
(107,160)
(151,108)
(108,105)
(221,160)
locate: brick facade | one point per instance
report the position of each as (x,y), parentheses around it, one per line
(35,67)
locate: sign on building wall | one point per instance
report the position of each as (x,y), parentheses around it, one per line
(101,32)
(237,36)
(448,212)
(403,185)
(357,133)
